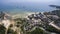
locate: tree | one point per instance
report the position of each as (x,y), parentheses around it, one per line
(2,29)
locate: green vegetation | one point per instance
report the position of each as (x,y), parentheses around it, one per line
(52,29)
(21,22)
(10,31)
(2,29)
(37,31)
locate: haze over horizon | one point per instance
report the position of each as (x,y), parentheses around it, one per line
(28,5)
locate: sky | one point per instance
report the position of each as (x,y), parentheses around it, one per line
(18,1)
(34,5)
(35,1)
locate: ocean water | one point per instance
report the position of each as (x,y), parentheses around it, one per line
(22,7)
(32,6)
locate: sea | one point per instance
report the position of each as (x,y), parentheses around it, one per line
(14,8)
